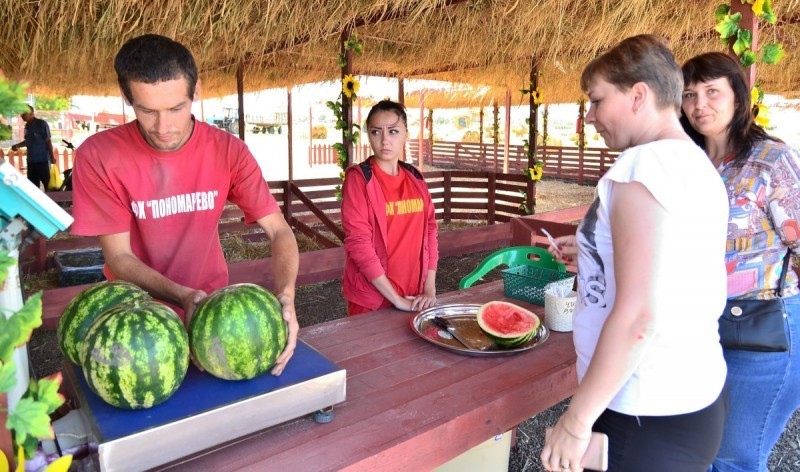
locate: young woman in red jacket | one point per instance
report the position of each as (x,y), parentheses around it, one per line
(389,222)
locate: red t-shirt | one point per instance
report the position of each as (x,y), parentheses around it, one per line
(405,225)
(170,202)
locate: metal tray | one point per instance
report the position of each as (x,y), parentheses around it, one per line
(464,318)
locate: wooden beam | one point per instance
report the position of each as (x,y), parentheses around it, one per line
(507,131)
(240,96)
(581,138)
(749,21)
(421,137)
(401,91)
(533,116)
(347,102)
(289,131)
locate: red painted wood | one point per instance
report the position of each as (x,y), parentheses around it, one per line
(6,444)
(412,409)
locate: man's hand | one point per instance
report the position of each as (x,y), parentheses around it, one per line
(14,147)
(189,302)
(290,317)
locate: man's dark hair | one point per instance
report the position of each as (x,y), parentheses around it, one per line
(152,58)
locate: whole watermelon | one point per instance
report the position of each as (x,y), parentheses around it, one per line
(86,307)
(238,332)
(136,354)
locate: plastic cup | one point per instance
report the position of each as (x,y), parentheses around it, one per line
(558,311)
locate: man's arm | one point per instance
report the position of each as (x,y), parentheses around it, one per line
(52,152)
(124,264)
(285,263)
(20,144)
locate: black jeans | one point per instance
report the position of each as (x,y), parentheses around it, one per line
(39,172)
(685,443)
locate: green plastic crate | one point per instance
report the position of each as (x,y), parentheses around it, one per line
(527,283)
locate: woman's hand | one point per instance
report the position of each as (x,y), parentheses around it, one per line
(564,448)
(566,250)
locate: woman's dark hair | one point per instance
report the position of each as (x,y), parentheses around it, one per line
(743,132)
(643,58)
(388,105)
(153,58)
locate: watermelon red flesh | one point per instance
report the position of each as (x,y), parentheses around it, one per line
(238,332)
(136,355)
(86,307)
(507,324)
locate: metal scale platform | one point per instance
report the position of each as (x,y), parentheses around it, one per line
(206,411)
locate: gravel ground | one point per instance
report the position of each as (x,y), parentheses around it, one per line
(322,302)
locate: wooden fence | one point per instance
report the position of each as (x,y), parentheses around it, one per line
(325,154)
(568,163)
(64,159)
(310,206)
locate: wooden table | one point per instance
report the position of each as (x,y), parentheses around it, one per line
(410,405)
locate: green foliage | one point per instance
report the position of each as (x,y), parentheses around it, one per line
(744,40)
(769,15)
(6,263)
(44,102)
(29,418)
(8,371)
(12,102)
(16,330)
(729,25)
(721,11)
(748,58)
(772,53)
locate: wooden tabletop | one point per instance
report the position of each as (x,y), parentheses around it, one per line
(410,404)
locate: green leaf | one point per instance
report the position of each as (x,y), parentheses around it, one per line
(6,262)
(769,15)
(8,372)
(30,418)
(16,329)
(341,61)
(338,146)
(772,53)
(340,124)
(29,446)
(48,392)
(744,40)
(748,58)
(721,11)
(729,25)
(330,105)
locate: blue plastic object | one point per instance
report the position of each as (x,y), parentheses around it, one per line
(19,197)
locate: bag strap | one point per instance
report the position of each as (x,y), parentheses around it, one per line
(786,260)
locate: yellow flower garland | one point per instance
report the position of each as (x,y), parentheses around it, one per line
(350,86)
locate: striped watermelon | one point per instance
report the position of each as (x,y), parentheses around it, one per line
(237,332)
(136,354)
(507,324)
(85,308)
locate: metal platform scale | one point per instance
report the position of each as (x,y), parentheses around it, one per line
(206,411)
(203,412)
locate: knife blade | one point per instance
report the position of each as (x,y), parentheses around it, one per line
(445,324)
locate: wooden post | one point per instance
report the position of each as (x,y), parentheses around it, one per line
(202,110)
(289,131)
(492,198)
(358,154)
(421,137)
(347,103)
(430,134)
(533,116)
(749,21)
(581,139)
(480,137)
(240,96)
(401,91)
(310,128)
(507,131)
(495,130)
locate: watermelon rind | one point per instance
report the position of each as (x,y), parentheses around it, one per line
(86,307)
(520,325)
(136,355)
(238,332)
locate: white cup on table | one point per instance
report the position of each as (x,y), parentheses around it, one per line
(558,311)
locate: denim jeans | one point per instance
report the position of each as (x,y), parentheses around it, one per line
(764,392)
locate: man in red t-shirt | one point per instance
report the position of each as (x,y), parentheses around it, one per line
(154,189)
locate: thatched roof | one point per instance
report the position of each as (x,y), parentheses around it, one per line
(67,46)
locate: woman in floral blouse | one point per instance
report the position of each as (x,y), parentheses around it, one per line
(762,177)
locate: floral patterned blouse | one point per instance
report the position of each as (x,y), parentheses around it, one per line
(764,220)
